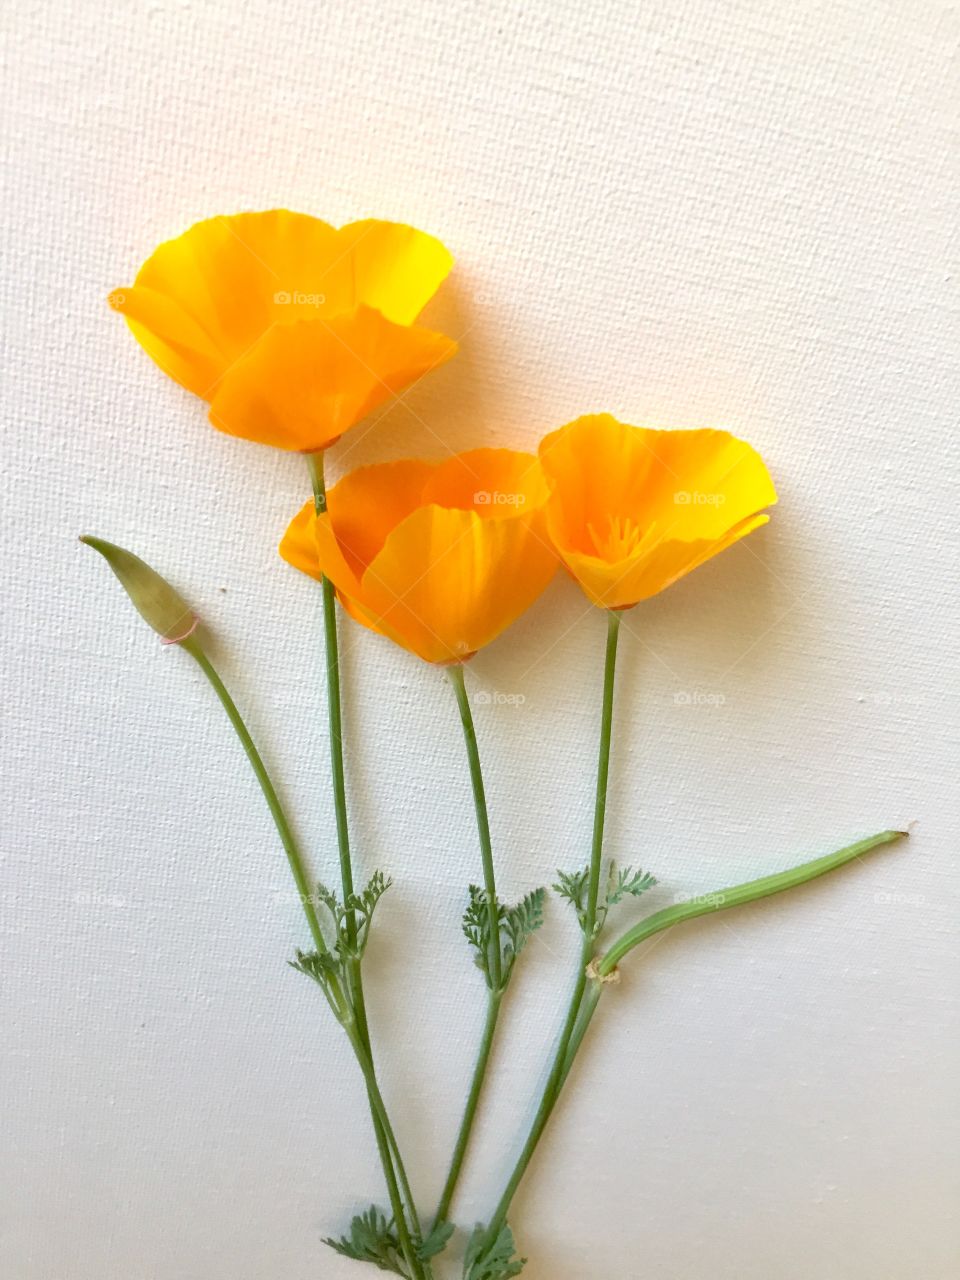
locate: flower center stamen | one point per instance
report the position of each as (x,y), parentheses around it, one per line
(618,540)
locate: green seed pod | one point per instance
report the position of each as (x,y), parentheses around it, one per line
(153,597)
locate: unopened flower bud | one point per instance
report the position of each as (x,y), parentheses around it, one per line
(153,597)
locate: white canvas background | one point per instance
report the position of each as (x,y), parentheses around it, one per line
(703,213)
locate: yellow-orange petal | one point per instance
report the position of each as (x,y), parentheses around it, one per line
(362,510)
(226,280)
(173,339)
(621,584)
(298,546)
(391,267)
(447,582)
(495,483)
(302,385)
(368,503)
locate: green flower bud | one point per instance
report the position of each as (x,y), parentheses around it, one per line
(153,597)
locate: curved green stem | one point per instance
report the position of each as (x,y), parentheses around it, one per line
(738,895)
(470,1110)
(483,823)
(725,898)
(390,1156)
(559,1068)
(193,647)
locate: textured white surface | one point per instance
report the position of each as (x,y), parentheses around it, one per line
(686,213)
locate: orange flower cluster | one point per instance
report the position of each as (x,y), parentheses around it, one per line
(294,331)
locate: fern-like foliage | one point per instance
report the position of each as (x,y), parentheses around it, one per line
(572,885)
(519,924)
(495,1263)
(621,883)
(326,970)
(329,969)
(627,883)
(435,1241)
(373,1239)
(362,906)
(515,925)
(476,926)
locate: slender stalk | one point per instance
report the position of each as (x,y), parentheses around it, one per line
(390,1156)
(389,1152)
(470,1110)
(334,712)
(287,839)
(548,1101)
(588,1007)
(380,1109)
(483,824)
(494,959)
(384,1133)
(721,901)
(603,773)
(738,895)
(559,1068)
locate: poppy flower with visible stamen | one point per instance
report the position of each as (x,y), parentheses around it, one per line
(631,509)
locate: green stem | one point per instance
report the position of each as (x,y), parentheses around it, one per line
(603,773)
(390,1156)
(548,1101)
(738,895)
(483,823)
(470,1110)
(334,703)
(193,647)
(196,652)
(383,1129)
(380,1107)
(559,1068)
(734,897)
(494,958)
(588,1008)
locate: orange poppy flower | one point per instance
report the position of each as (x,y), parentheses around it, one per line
(631,510)
(439,556)
(291,329)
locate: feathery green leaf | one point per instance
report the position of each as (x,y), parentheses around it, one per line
(514,927)
(435,1241)
(497,1262)
(372,1239)
(626,883)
